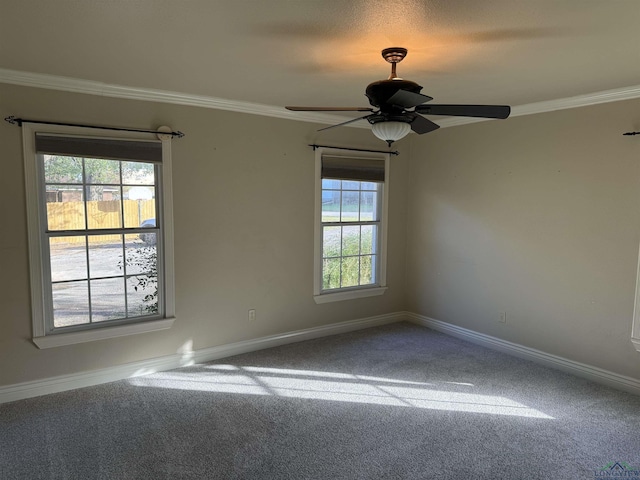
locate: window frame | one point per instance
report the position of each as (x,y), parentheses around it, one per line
(360,291)
(635,323)
(39,263)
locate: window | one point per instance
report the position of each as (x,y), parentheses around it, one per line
(100,234)
(351,206)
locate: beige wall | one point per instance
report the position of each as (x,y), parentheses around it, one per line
(250,245)
(536,216)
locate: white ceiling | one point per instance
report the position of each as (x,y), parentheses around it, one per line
(325,52)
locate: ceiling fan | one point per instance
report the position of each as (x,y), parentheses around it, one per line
(399,104)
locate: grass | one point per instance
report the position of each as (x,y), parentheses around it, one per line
(348,256)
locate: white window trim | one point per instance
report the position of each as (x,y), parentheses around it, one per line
(35,237)
(357,292)
(635,327)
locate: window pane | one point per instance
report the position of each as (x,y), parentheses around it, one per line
(140,257)
(368,238)
(105,256)
(103,213)
(142,295)
(368,206)
(59,169)
(368,185)
(331,273)
(65,208)
(139,193)
(350,204)
(68,258)
(350,185)
(351,240)
(138,173)
(331,242)
(350,271)
(333,184)
(100,171)
(367,269)
(150,238)
(139,205)
(107,299)
(70,303)
(104,193)
(330,206)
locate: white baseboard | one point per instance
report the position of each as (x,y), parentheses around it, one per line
(214,353)
(62,383)
(594,374)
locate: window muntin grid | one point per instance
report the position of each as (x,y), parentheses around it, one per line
(103,265)
(350,224)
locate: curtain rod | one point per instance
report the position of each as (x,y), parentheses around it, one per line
(19,121)
(354,149)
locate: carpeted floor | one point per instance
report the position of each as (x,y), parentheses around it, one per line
(393,402)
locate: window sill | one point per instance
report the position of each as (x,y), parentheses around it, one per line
(349,294)
(62,339)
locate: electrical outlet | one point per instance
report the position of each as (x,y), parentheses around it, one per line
(252,315)
(503,317)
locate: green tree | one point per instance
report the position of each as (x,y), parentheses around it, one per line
(94,171)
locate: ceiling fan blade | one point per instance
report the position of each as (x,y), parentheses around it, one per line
(330,109)
(421,125)
(407,99)
(485,111)
(344,123)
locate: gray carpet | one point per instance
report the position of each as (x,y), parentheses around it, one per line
(393,402)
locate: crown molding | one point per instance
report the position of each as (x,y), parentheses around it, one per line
(626,93)
(91,87)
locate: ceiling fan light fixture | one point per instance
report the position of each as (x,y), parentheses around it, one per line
(400,104)
(390,131)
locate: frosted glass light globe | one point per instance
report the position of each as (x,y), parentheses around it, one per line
(390,131)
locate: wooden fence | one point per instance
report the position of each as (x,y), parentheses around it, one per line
(100,214)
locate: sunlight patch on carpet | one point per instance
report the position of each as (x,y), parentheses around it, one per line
(337,387)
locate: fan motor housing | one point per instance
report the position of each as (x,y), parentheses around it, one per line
(379,92)
(389,117)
